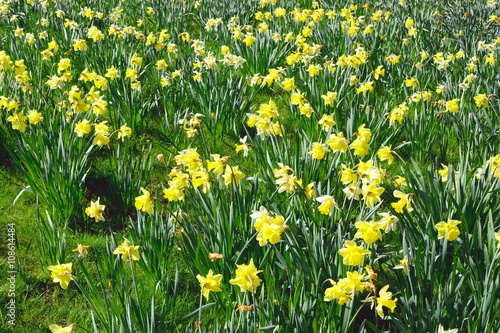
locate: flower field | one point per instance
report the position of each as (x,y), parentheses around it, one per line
(243,166)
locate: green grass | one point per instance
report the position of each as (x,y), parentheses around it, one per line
(40,303)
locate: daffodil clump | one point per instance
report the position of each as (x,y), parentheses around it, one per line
(191,172)
(266,120)
(345,290)
(269,226)
(348,144)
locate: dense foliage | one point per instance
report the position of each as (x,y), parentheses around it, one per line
(315,166)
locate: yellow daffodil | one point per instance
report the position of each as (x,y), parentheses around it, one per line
(409,23)
(80,45)
(411,82)
(136,61)
(313,70)
(246,277)
(452,105)
(448,229)
(288,84)
(260,217)
(385,300)
(127,250)
(371,193)
(318,151)
(328,203)
(175,191)
(444,172)
(297,98)
(368,231)
(95,211)
(336,292)
(365,87)
(144,202)
(404,201)
(481,100)
(81,249)
(19,66)
(34,117)
(309,190)
(61,273)
(360,146)
(379,71)
(494,162)
(400,182)
(327,122)
(270,229)
(124,132)
(306,110)
(83,127)
(18,121)
(59,329)
(209,283)
(345,288)
(385,154)
(112,73)
(352,254)
(330,98)
(249,39)
(347,175)
(233,175)
(218,163)
(337,142)
(100,140)
(95,34)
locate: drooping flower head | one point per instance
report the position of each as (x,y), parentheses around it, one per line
(404,201)
(385,300)
(18,121)
(82,250)
(144,202)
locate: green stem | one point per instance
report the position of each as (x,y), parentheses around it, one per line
(254,310)
(133,278)
(199,310)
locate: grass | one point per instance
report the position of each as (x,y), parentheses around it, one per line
(39,303)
